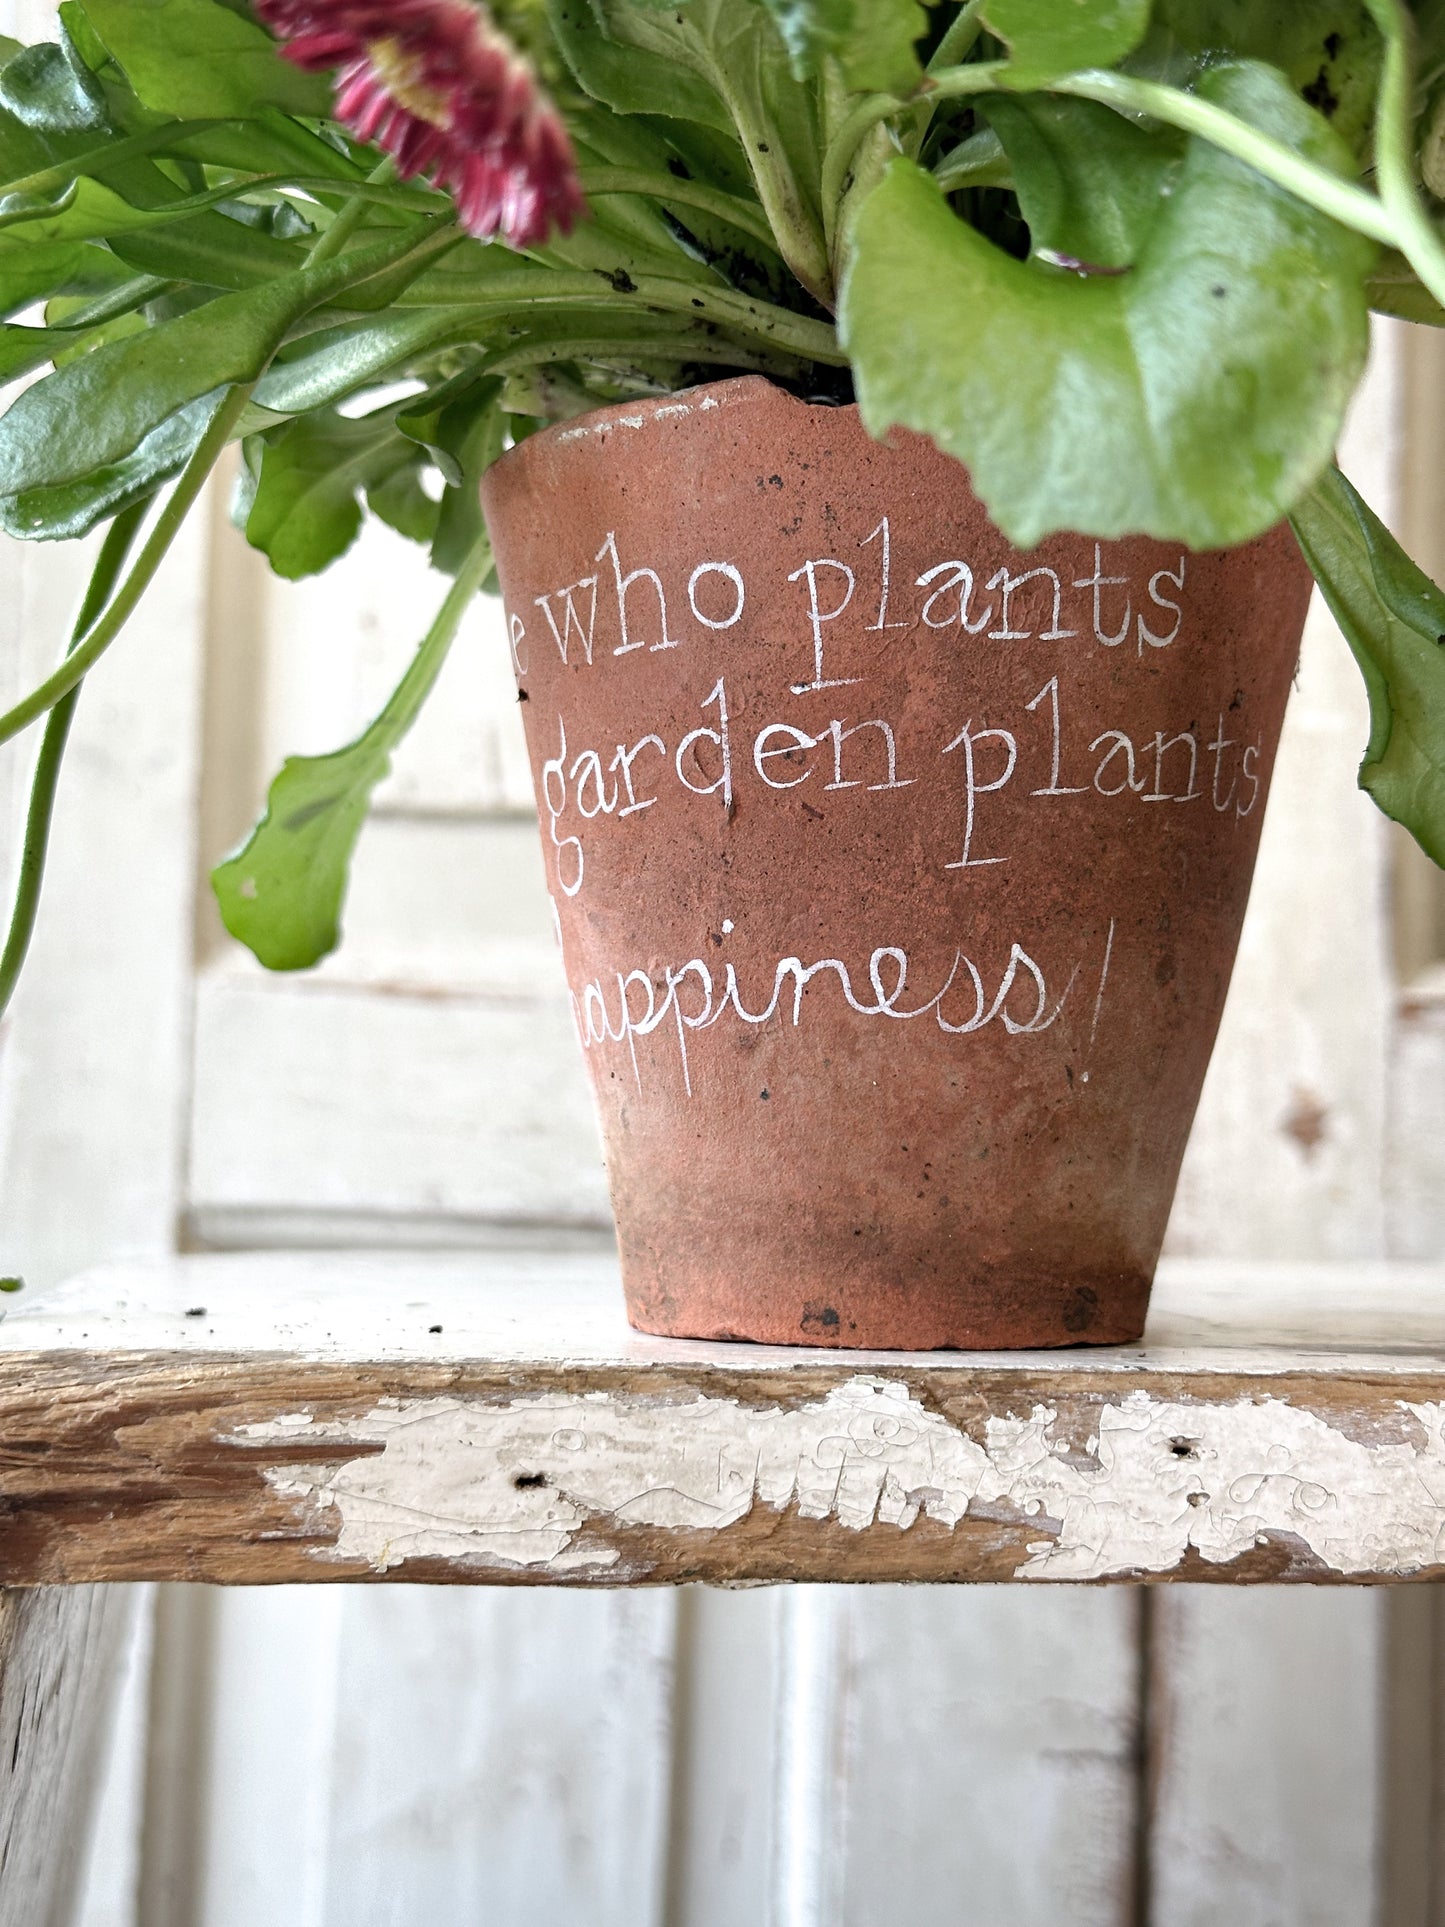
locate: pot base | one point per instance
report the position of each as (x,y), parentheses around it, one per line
(949,1313)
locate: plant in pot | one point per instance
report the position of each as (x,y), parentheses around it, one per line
(889,421)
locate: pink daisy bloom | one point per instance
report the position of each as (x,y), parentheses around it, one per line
(438,86)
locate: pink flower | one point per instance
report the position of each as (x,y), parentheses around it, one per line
(446,94)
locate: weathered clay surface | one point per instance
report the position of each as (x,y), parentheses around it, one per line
(898,875)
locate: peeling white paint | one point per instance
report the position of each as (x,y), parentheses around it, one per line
(512,1484)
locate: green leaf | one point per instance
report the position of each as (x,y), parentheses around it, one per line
(1049,37)
(471,431)
(61,513)
(1089,181)
(22,349)
(85,341)
(333,363)
(1329,50)
(92,413)
(30,273)
(282,892)
(874,41)
(1395,288)
(1194,397)
(714,62)
(400,501)
(636,61)
(87,210)
(432,421)
(304,511)
(1393,617)
(194,58)
(51,108)
(208,249)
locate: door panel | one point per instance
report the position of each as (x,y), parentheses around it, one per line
(1265,1804)
(992,1754)
(509,1760)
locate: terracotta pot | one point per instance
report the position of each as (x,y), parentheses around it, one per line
(898,875)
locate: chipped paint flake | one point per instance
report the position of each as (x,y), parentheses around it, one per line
(513,1484)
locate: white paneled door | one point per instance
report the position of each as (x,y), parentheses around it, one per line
(383,1757)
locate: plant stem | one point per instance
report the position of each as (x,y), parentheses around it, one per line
(1414,232)
(950,83)
(97,639)
(425,666)
(838,157)
(1352,206)
(957,42)
(738,213)
(100,160)
(613,351)
(351,217)
(764,321)
(43,786)
(797,227)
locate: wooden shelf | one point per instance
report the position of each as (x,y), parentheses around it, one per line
(491,1418)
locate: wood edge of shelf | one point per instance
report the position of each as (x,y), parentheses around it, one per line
(266,1468)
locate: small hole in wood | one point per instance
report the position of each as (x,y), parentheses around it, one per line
(525,1481)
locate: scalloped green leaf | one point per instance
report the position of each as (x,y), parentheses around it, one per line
(636,61)
(281,894)
(1193,397)
(1048,37)
(1329,50)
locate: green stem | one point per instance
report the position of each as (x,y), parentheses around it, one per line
(763,320)
(425,666)
(738,213)
(650,294)
(52,751)
(351,216)
(957,42)
(99,160)
(612,351)
(950,83)
(838,157)
(796,226)
(103,632)
(1414,232)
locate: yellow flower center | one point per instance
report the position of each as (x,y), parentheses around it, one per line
(400,72)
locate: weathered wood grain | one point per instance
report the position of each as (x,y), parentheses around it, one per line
(496,1421)
(58,1656)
